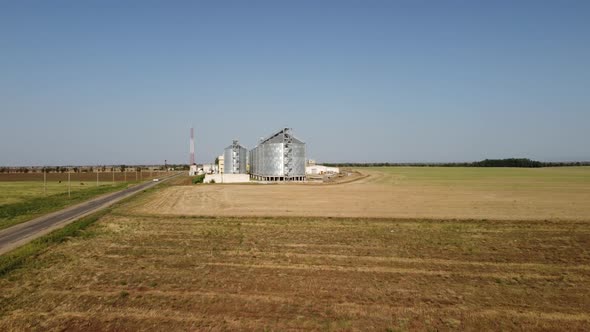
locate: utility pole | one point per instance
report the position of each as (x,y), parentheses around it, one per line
(125,174)
(44,182)
(136,175)
(69,183)
(140,175)
(97,176)
(113,171)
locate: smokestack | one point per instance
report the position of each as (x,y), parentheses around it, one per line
(192,144)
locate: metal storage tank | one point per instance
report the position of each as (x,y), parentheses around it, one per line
(235,158)
(280,157)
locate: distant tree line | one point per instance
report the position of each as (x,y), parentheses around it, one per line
(82,169)
(179,167)
(510,162)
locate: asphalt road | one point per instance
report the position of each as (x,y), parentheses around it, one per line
(20,234)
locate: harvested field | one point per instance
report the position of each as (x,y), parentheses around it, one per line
(158,265)
(134,272)
(400,192)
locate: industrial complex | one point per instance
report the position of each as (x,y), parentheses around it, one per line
(280,157)
(235,159)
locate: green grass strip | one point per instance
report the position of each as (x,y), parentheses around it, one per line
(16,213)
(26,253)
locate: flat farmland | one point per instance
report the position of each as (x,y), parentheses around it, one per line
(21,191)
(20,187)
(80,176)
(399,192)
(138,272)
(323,264)
(25,196)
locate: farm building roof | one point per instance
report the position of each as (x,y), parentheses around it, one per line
(279,137)
(238,145)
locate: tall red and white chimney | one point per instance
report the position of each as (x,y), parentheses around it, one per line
(192,147)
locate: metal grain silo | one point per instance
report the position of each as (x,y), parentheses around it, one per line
(235,159)
(280,157)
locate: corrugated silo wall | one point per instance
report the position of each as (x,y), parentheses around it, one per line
(272,163)
(227,161)
(250,158)
(267,160)
(243,160)
(298,159)
(254,161)
(248,162)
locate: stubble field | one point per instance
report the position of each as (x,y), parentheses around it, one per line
(144,268)
(400,192)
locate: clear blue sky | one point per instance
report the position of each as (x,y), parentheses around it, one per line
(101,82)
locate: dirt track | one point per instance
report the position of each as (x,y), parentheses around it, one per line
(381,194)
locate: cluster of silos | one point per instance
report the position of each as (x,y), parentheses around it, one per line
(235,159)
(280,157)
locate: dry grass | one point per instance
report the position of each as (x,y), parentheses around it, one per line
(152,273)
(433,193)
(137,269)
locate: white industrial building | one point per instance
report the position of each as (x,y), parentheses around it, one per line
(208,168)
(321,170)
(232,166)
(226,178)
(193,170)
(280,157)
(220,164)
